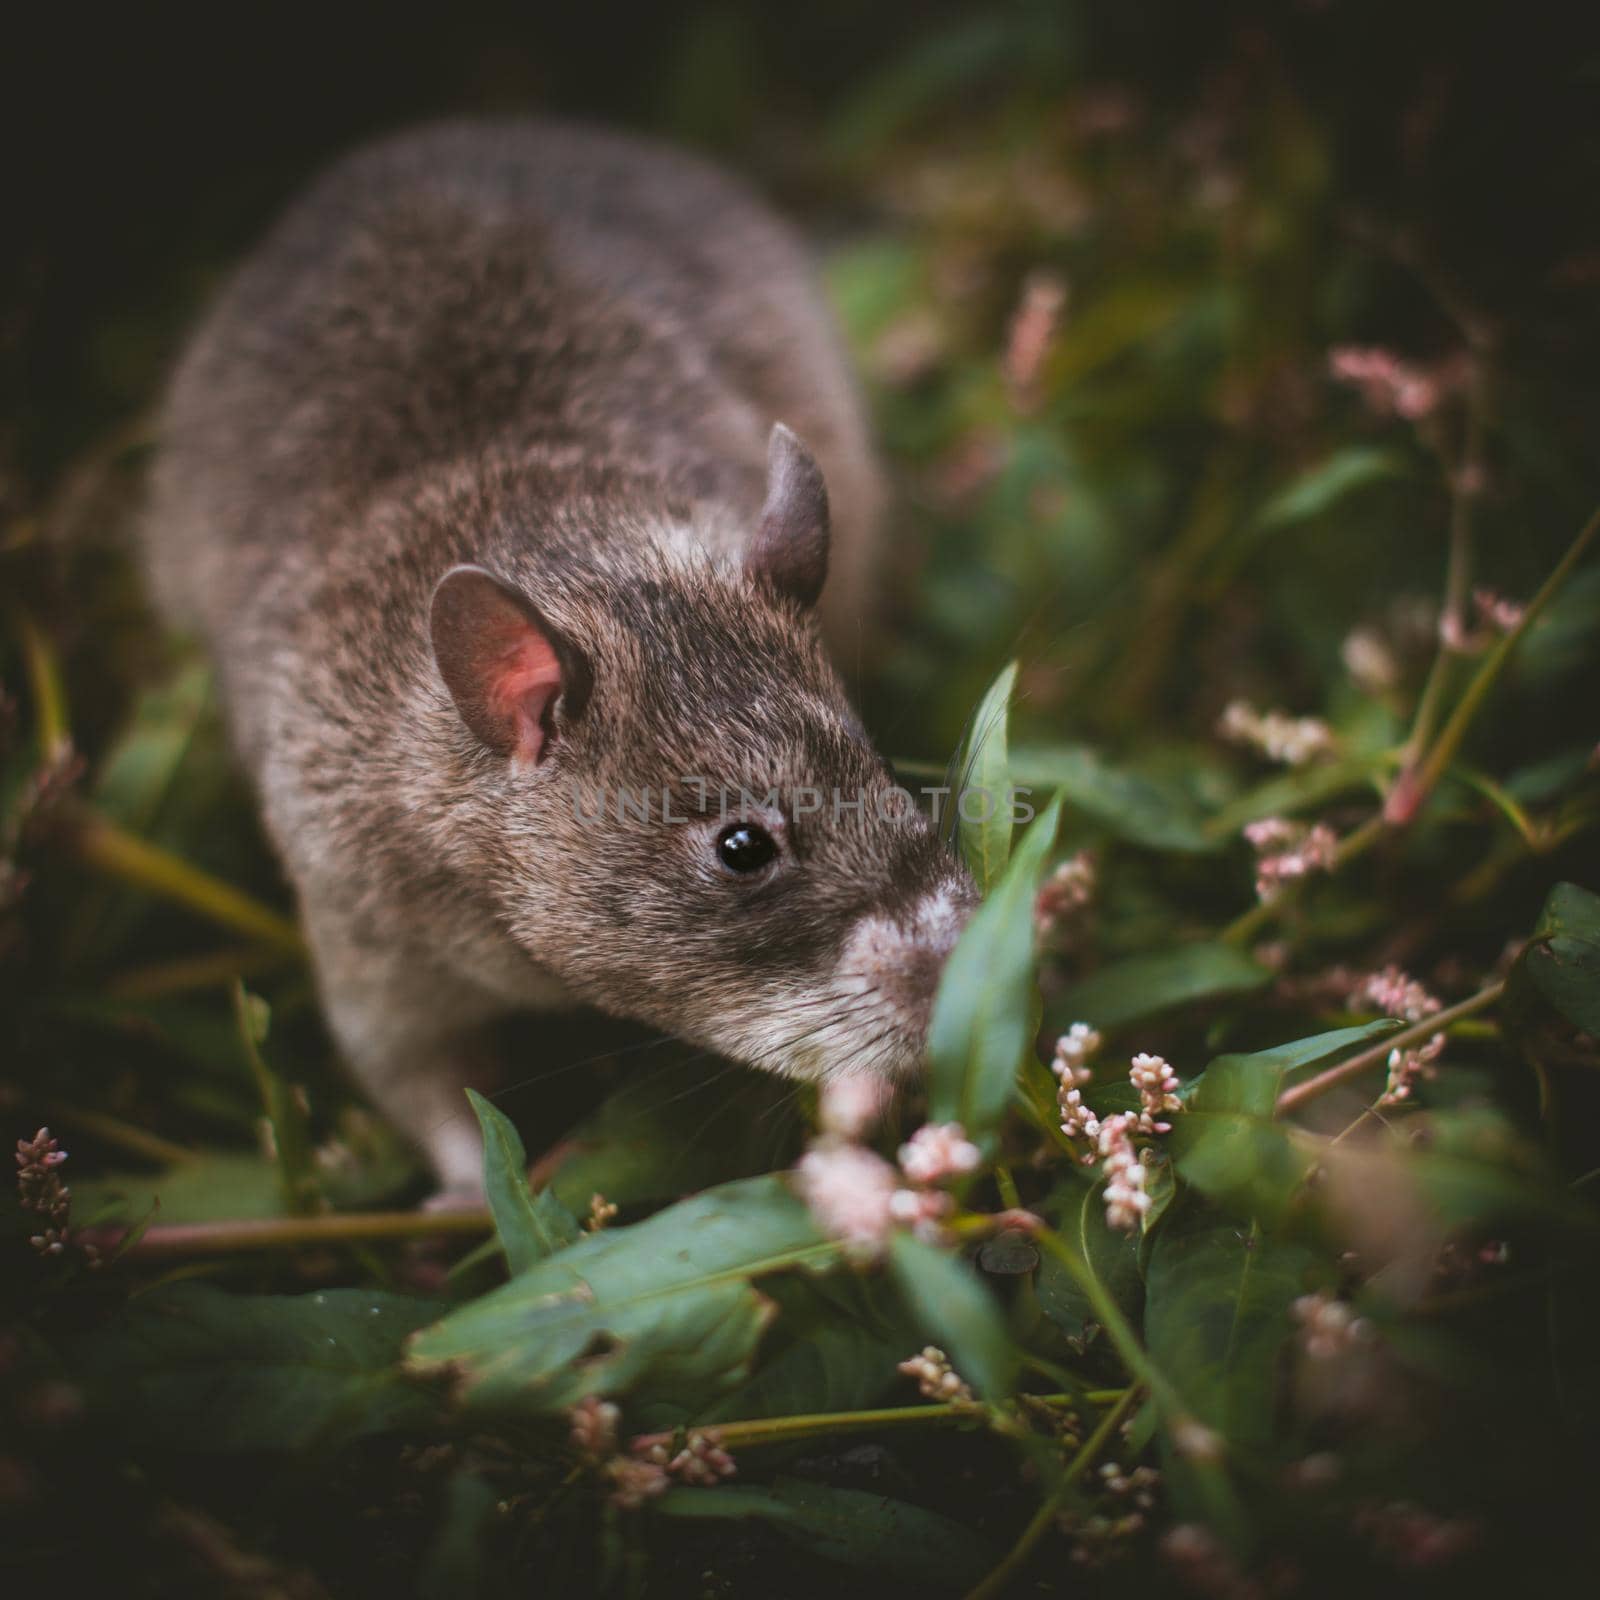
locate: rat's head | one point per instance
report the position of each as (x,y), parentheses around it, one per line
(684,817)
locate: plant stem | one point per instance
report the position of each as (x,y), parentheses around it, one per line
(179,1241)
(1244,928)
(1412,788)
(211,970)
(998,1580)
(100,843)
(1292,1099)
(44,682)
(785,1430)
(108,1130)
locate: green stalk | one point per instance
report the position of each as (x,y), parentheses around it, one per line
(45,686)
(108,1130)
(1244,928)
(786,1430)
(1292,1099)
(998,1580)
(181,1241)
(210,970)
(1412,789)
(100,843)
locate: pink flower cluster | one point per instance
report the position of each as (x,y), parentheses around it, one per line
(1288,850)
(935,1377)
(1392,992)
(1329,1327)
(1496,615)
(1065,894)
(1389,385)
(41,1191)
(938,1151)
(1033,329)
(1075,1049)
(652,1466)
(1278,736)
(1410,1536)
(859,1198)
(1158,1087)
(702,1460)
(1125,1195)
(1121,1163)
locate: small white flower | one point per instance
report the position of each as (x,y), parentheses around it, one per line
(1329,1327)
(938,1151)
(1075,1049)
(1291,740)
(850,1192)
(1158,1088)
(935,1377)
(594,1427)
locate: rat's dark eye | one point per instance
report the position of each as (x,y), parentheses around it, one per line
(745,848)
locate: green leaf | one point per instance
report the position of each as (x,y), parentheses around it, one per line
(948,1300)
(984,1014)
(835,1346)
(1226,1143)
(1217,1311)
(1250,1084)
(868,1533)
(1140,986)
(1320,488)
(141,766)
(1159,816)
(1562,962)
(984,770)
(1112,1256)
(216,1186)
(287,1112)
(530,1226)
(197,1369)
(665,1306)
(453,1567)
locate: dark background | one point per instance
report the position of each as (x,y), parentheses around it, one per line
(147,145)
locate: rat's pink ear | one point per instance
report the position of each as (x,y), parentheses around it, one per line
(790,549)
(511,675)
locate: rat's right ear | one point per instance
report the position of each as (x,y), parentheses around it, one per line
(511,675)
(790,549)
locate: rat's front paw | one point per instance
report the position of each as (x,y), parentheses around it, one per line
(457,1197)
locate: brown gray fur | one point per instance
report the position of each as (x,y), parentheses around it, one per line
(557,355)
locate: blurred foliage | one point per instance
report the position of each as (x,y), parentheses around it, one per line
(1093,261)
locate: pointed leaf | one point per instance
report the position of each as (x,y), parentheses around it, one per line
(530,1226)
(948,1299)
(665,1305)
(1140,986)
(1250,1084)
(1142,810)
(1562,963)
(1217,1313)
(983,1024)
(868,1533)
(199,1369)
(985,777)
(1111,1255)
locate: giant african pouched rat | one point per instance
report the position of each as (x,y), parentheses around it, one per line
(479,481)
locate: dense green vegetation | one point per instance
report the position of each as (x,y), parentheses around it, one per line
(1236,381)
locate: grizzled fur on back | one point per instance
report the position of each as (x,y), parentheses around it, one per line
(552,358)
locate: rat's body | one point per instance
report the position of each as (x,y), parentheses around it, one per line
(556,357)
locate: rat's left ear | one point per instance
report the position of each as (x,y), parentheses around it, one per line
(790,549)
(513,677)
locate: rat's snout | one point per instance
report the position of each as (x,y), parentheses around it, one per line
(896,959)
